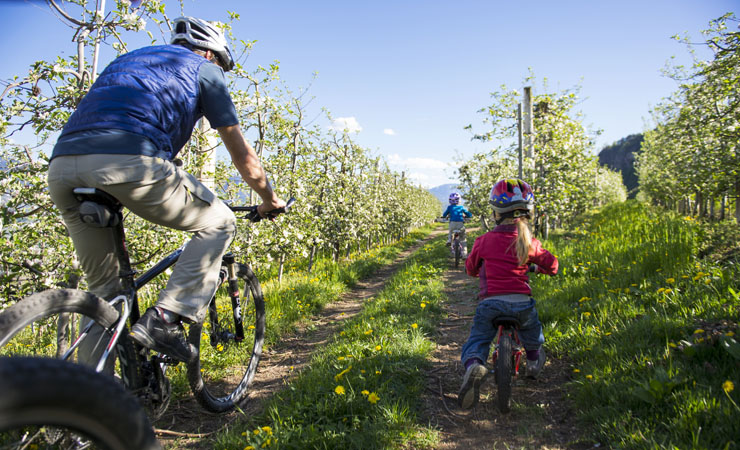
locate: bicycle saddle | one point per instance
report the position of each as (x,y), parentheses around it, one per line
(98,208)
(506,321)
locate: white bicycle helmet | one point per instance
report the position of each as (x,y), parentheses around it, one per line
(201,34)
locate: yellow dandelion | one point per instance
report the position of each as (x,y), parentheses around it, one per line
(414,325)
(423,305)
(670,280)
(339,390)
(698,331)
(249,447)
(378,372)
(586,314)
(365,392)
(373,398)
(576,370)
(256,431)
(369,332)
(589,377)
(728,386)
(378,348)
(730,333)
(267,429)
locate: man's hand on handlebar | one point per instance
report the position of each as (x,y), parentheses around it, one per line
(270,210)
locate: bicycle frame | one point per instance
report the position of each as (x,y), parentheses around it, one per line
(516,349)
(128,296)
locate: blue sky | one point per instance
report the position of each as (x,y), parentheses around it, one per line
(412,74)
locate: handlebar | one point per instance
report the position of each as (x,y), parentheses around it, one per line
(254,216)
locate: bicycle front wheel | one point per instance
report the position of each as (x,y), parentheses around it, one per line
(229,342)
(49,323)
(50,403)
(504,372)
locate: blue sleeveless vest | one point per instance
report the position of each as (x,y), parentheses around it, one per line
(152,92)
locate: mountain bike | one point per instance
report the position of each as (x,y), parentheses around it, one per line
(79,326)
(51,403)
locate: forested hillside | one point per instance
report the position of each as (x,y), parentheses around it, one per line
(620,156)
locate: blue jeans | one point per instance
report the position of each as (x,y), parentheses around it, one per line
(483,332)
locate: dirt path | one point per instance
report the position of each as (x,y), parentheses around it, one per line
(541,416)
(187,426)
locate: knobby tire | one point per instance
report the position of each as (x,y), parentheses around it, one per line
(221,388)
(39,325)
(504,371)
(51,403)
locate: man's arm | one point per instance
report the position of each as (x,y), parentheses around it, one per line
(249,166)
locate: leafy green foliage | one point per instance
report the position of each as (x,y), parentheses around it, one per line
(691,155)
(565,177)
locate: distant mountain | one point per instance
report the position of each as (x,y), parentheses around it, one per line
(620,156)
(443,192)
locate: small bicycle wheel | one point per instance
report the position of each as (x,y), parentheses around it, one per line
(227,362)
(54,404)
(458,253)
(48,323)
(504,372)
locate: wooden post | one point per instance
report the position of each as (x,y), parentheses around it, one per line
(519,134)
(529,131)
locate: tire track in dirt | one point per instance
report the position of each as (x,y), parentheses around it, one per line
(542,417)
(186,425)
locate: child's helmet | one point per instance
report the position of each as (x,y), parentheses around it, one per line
(454,198)
(511,195)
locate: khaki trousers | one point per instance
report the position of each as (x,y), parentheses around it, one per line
(158,191)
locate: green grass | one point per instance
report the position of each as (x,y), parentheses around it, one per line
(363,389)
(291,302)
(650,328)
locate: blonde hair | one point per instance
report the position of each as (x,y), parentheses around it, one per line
(523,239)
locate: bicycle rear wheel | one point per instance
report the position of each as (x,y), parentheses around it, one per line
(48,323)
(458,253)
(227,362)
(504,372)
(49,403)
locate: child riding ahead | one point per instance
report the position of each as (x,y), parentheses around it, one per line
(502,258)
(457,214)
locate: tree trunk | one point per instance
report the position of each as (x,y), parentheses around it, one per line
(311,257)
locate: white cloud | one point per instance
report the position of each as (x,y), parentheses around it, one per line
(345,123)
(417,163)
(389,132)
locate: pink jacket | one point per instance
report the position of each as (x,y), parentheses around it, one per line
(493,259)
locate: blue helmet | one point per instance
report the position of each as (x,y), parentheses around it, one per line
(454,198)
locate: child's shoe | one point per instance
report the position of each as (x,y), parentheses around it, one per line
(534,367)
(468,395)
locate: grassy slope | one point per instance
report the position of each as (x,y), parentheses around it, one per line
(650,329)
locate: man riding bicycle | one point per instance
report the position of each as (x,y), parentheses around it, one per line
(123,139)
(457,214)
